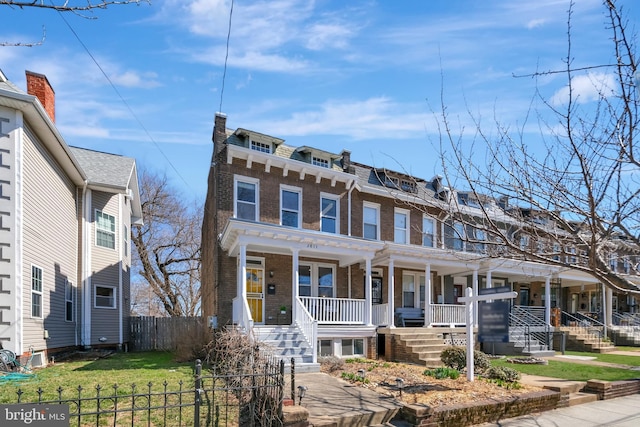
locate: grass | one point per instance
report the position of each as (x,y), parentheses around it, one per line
(610,358)
(571,371)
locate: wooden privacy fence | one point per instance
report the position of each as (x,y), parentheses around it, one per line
(164,333)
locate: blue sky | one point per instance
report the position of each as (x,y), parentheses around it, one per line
(365,76)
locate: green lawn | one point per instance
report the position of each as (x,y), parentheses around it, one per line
(572,371)
(610,358)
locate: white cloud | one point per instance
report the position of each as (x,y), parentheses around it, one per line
(586,88)
(131,78)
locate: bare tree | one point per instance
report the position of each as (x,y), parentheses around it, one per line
(571,198)
(69,5)
(168,247)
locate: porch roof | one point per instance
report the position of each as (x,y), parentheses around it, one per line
(277,239)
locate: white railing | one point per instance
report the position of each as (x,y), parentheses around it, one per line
(380,315)
(242,314)
(447,314)
(308,326)
(337,311)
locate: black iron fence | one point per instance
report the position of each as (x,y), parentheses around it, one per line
(252,396)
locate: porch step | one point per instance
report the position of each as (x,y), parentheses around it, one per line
(578,398)
(423,345)
(287,342)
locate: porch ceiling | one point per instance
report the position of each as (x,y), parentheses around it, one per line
(276,239)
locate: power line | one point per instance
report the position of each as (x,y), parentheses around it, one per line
(226,57)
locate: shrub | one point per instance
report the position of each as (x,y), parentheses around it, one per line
(332,363)
(502,373)
(440,373)
(456,358)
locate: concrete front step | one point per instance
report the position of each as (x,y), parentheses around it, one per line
(579,398)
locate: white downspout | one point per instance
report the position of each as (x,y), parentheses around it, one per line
(120,278)
(353,185)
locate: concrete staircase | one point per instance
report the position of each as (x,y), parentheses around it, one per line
(581,339)
(624,335)
(423,345)
(287,342)
(520,344)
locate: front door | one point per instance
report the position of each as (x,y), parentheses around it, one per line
(255,293)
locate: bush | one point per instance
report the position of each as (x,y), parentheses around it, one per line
(440,373)
(456,358)
(502,373)
(332,363)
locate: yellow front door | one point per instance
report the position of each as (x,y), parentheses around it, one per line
(255,293)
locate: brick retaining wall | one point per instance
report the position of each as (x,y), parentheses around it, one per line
(480,412)
(611,389)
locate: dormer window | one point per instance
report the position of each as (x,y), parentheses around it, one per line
(261,147)
(319,161)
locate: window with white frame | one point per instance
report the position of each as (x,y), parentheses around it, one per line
(105,230)
(261,146)
(125,240)
(556,252)
(626,265)
(246,198)
(319,161)
(408,290)
(316,280)
(353,347)
(291,206)
(329,213)
(325,348)
(454,236)
(371,221)
(524,242)
(613,262)
(36,292)
(428,231)
(401,226)
(572,258)
(69,298)
(479,237)
(105,297)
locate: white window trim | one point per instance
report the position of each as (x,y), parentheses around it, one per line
(40,292)
(261,146)
(336,198)
(114,232)
(375,206)
(248,180)
(72,301)
(292,189)
(433,231)
(115,297)
(407,228)
(419,279)
(315,278)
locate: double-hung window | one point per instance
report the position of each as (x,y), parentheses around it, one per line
(454,236)
(329,213)
(401,226)
(371,221)
(105,230)
(246,198)
(36,292)
(428,231)
(290,206)
(69,298)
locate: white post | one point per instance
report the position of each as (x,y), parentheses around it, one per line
(367,293)
(604,309)
(391,293)
(470,306)
(489,283)
(295,291)
(242,292)
(547,300)
(475,292)
(427,295)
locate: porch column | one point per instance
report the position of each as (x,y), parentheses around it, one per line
(367,293)
(391,295)
(547,300)
(605,308)
(475,293)
(489,283)
(609,317)
(242,283)
(427,295)
(295,291)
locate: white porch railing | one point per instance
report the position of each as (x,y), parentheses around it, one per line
(308,326)
(242,314)
(447,314)
(337,311)
(380,315)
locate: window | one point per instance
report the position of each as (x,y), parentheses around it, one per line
(318,161)
(245,194)
(626,265)
(325,348)
(316,280)
(370,221)
(69,292)
(613,262)
(428,232)
(125,240)
(524,242)
(353,347)
(261,146)
(408,290)
(105,230)
(401,226)
(556,252)
(36,291)
(329,213)
(290,206)
(454,236)
(572,258)
(105,297)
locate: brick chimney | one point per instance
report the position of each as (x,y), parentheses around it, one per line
(38,86)
(219,131)
(346,160)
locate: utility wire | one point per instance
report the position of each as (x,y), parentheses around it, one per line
(226,57)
